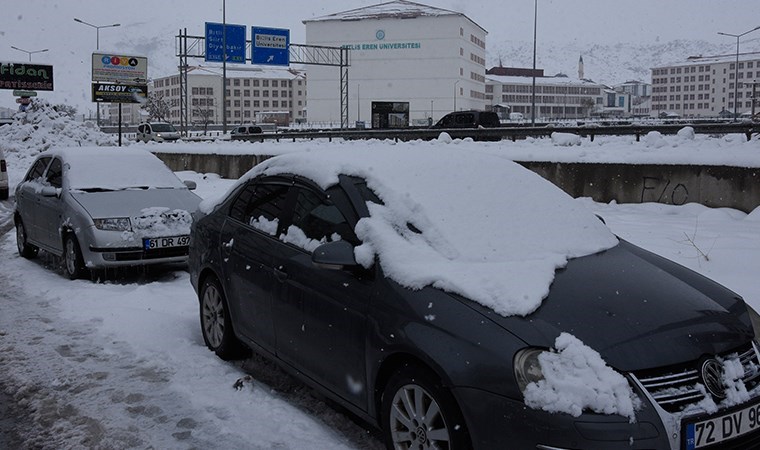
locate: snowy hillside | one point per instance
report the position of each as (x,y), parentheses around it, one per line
(607,63)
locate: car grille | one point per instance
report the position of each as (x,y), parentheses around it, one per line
(675,388)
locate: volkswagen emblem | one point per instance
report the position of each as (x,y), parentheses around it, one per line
(712,376)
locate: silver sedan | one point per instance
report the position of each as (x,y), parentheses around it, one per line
(103,207)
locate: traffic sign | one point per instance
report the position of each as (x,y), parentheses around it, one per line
(270,46)
(217,35)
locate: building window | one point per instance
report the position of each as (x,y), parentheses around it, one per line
(255,83)
(256,92)
(246,82)
(236,82)
(265,83)
(265,103)
(265,93)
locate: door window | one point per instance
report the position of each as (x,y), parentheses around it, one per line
(37,169)
(260,205)
(55,174)
(318,220)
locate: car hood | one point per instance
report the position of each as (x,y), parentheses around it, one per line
(132,203)
(638,310)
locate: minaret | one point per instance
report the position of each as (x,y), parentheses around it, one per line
(580,68)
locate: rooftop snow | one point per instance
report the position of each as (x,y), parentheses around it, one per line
(399,9)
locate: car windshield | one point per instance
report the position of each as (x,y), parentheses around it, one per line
(100,169)
(163,127)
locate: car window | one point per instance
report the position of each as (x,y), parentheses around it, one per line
(37,169)
(465,119)
(319,219)
(260,205)
(55,173)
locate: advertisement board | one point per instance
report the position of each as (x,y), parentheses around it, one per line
(119,93)
(125,69)
(270,46)
(234,37)
(35,77)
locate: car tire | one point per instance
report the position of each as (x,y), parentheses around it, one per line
(73,263)
(216,323)
(25,249)
(408,399)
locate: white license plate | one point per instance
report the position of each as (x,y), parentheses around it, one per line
(166,242)
(723,428)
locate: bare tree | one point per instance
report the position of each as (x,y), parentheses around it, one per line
(587,104)
(157,107)
(205,113)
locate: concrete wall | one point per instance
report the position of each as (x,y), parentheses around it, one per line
(714,186)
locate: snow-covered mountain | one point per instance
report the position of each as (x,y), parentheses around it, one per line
(607,63)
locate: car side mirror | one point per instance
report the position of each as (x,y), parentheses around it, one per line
(335,255)
(49,191)
(190,184)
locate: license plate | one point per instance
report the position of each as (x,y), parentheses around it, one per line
(709,432)
(166,242)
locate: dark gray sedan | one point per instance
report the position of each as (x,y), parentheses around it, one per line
(456,300)
(103,207)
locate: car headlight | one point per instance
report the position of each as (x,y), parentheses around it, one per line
(113,224)
(527,368)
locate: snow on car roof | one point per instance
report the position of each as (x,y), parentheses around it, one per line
(491,230)
(114,168)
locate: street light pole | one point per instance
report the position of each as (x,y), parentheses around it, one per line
(97,47)
(736,69)
(533,91)
(28,52)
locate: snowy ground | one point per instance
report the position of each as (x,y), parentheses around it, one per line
(122,364)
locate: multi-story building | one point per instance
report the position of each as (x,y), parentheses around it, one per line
(251,95)
(705,86)
(409,63)
(557,97)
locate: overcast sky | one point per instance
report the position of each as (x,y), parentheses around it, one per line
(49,24)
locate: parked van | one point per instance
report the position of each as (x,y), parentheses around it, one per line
(157,132)
(469,119)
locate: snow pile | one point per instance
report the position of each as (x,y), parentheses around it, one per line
(565,139)
(576,378)
(686,133)
(40,128)
(162,221)
(655,139)
(465,222)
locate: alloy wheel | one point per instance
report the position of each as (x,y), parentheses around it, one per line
(213,316)
(416,420)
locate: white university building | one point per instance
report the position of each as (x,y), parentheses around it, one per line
(409,64)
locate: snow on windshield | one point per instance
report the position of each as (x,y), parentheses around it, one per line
(482,226)
(116,168)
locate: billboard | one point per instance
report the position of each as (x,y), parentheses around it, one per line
(270,46)
(119,93)
(233,36)
(125,69)
(35,77)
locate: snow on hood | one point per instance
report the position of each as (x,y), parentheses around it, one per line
(489,229)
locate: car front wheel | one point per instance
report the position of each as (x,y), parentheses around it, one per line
(25,249)
(73,263)
(419,413)
(216,324)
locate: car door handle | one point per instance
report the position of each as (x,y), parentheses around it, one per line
(280,273)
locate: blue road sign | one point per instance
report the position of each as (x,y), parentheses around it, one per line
(235,39)
(270,46)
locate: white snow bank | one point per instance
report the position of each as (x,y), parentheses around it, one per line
(565,139)
(686,133)
(576,378)
(489,229)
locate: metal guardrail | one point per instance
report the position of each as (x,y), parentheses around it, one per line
(504,133)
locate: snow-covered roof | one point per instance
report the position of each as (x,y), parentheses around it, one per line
(539,80)
(397,9)
(715,59)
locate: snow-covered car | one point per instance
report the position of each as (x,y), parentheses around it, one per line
(4,188)
(157,132)
(103,207)
(457,300)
